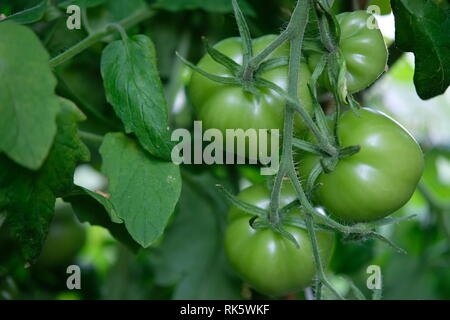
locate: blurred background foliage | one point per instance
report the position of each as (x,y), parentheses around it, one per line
(189,262)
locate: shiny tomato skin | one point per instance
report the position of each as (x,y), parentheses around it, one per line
(363,48)
(269,262)
(377,180)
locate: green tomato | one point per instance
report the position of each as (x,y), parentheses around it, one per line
(377,180)
(364,51)
(224,106)
(266,260)
(66,237)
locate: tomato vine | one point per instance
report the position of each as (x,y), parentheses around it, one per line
(327,140)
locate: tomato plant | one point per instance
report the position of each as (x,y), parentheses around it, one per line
(97,107)
(268,261)
(363,48)
(376,181)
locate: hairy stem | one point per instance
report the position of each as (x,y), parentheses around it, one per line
(310,226)
(299,18)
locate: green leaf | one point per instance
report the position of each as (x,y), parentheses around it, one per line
(97,210)
(122,9)
(134,89)
(351,256)
(191,256)
(29,196)
(28,104)
(220,6)
(144,190)
(29,15)
(423,27)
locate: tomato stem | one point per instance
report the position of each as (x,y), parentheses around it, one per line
(298,24)
(91,137)
(292,30)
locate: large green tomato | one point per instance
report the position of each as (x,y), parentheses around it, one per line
(363,48)
(266,260)
(377,180)
(224,107)
(65,238)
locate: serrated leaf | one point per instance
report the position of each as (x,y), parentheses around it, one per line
(97,210)
(29,15)
(423,27)
(28,104)
(144,190)
(191,256)
(134,89)
(220,6)
(29,196)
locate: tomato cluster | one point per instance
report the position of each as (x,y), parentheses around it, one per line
(365,186)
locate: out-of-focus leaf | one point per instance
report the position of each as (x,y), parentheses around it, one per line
(442,278)
(191,256)
(350,257)
(422,27)
(437,174)
(221,6)
(402,70)
(28,104)
(29,196)
(97,210)
(404,277)
(133,87)
(59,38)
(29,15)
(144,190)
